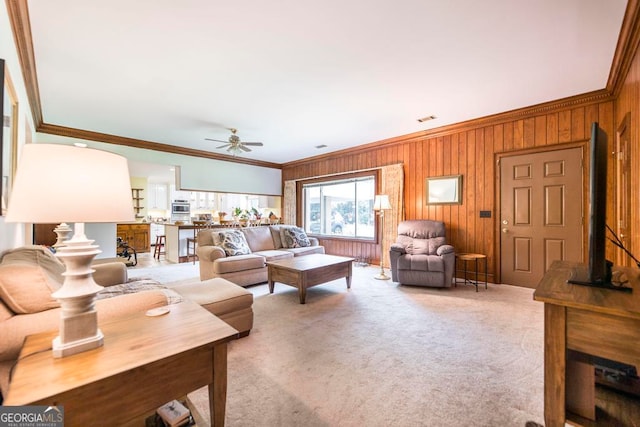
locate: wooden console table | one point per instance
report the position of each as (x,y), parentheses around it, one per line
(144,363)
(598,322)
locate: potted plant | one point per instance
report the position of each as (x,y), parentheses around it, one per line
(256,213)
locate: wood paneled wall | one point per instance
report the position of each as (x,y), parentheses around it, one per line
(628,101)
(470,149)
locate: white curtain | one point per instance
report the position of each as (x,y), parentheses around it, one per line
(289,203)
(393,186)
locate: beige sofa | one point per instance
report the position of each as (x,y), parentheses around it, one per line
(29,274)
(266,243)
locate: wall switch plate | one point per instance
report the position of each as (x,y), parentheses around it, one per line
(485,214)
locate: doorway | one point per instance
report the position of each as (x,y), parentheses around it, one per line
(622,202)
(541,211)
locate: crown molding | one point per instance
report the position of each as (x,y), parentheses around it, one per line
(626,47)
(18,11)
(589,98)
(628,41)
(147,145)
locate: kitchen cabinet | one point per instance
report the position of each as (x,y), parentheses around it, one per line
(158,196)
(179,194)
(136,235)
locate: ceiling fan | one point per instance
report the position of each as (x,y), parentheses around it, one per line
(234,145)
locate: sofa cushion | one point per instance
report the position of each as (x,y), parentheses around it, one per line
(258,238)
(237,263)
(275,235)
(27,289)
(306,251)
(294,237)
(217,295)
(425,246)
(232,241)
(275,255)
(431,263)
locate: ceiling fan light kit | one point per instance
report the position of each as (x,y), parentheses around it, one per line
(234,145)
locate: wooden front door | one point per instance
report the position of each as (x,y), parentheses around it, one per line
(540,213)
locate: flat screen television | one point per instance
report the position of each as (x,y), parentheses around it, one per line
(598,271)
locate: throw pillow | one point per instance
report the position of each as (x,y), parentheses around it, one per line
(294,237)
(35,255)
(232,241)
(27,289)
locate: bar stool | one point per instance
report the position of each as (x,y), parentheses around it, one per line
(159,246)
(192,242)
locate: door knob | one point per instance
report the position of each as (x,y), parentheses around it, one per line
(505,230)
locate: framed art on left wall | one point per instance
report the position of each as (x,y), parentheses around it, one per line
(8,137)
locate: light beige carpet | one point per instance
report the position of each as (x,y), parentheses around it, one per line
(387,355)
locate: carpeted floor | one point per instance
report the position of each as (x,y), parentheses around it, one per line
(387,355)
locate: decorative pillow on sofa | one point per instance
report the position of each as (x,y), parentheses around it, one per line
(294,237)
(27,289)
(232,241)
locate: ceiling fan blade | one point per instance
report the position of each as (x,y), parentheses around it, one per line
(243,148)
(254,144)
(216,140)
(222,146)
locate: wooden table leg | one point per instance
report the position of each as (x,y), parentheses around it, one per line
(302,287)
(349,273)
(218,388)
(270,280)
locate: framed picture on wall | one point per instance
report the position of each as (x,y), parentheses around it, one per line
(444,190)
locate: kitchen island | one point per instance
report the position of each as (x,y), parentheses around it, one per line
(176,244)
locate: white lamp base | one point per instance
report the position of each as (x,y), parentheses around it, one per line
(79,320)
(61,349)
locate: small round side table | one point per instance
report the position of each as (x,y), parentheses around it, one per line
(475,258)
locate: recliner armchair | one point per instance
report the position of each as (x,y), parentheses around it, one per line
(421,255)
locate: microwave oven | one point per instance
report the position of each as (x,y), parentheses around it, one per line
(180,208)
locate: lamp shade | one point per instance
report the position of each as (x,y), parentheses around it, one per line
(381,202)
(60,183)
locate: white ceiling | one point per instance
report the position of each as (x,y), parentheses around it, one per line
(294,74)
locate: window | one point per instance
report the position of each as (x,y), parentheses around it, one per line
(342,207)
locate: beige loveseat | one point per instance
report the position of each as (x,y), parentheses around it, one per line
(265,243)
(29,274)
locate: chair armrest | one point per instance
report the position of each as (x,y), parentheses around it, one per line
(445,249)
(210,253)
(397,247)
(110,273)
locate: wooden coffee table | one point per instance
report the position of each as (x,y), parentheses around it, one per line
(144,363)
(309,270)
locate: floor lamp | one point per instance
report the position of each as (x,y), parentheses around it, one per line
(381,204)
(85,185)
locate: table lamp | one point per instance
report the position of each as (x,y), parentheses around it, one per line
(60,183)
(381,204)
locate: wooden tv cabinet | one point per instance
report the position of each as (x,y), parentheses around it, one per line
(593,321)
